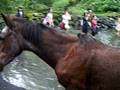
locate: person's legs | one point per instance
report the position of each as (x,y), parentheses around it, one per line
(67,27)
(94,31)
(62,25)
(84,29)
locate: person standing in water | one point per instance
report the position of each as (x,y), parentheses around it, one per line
(20,12)
(118,27)
(48,20)
(65,21)
(94,25)
(84,22)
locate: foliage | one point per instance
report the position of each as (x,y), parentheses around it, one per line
(37,9)
(74,6)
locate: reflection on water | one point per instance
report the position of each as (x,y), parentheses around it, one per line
(31,73)
(109,37)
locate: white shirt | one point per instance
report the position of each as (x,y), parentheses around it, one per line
(48,19)
(50,15)
(65,18)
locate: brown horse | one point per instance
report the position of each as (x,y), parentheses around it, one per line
(80,63)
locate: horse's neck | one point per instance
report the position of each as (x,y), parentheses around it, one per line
(53,47)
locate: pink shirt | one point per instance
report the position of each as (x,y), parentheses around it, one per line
(94,23)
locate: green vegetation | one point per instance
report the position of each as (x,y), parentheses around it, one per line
(38,8)
(74,6)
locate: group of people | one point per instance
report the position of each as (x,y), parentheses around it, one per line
(48,19)
(64,24)
(89,20)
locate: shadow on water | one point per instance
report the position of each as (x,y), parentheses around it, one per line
(7,86)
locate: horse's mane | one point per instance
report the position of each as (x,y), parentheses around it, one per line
(32,31)
(84,38)
(89,41)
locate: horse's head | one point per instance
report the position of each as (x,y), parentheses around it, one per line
(10,44)
(13,39)
(9,48)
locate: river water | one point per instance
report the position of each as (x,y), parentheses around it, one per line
(28,72)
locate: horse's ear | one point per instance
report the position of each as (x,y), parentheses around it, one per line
(7,20)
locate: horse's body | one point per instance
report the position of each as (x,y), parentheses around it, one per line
(80,63)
